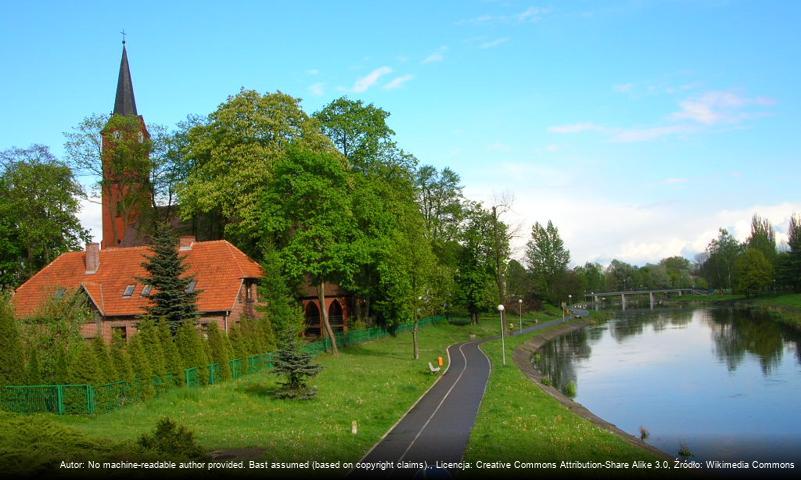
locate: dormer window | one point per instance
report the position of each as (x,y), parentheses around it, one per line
(129,290)
(146,290)
(191,287)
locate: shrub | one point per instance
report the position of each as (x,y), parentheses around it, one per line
(173,440)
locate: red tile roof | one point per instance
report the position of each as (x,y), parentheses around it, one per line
(218,268)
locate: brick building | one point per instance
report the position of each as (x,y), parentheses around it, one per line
(226,278)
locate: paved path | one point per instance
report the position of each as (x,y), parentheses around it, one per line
(438,427)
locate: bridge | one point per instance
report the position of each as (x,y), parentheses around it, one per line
(595,296)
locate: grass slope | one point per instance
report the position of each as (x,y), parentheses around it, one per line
(518,421)
(373,384)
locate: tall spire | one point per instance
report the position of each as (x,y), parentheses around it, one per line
(124,104)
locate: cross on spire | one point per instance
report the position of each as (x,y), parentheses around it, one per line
(123,36)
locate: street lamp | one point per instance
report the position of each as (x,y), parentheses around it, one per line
(503,342)
(520,310)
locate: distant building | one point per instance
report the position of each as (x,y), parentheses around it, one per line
(226,278)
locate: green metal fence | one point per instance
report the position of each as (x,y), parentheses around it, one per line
(93,399)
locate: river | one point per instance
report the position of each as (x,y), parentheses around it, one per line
(721,384)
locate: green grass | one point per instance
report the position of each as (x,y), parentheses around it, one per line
(518,421)
(373,384)
(791,300)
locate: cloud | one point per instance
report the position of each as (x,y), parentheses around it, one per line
(632,135)
(674,180)
(364,83)
(435,57)
(624,87)
(552,148)
(494,43)
(720,107)
(596,228)
(499,147)
(697,114)
(577,128)
(317,89)
(312,72)
(90,216)
(397,82)
(529,15)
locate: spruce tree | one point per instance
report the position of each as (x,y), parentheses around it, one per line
(291,361)
(219,350)
(12,368)
(171,298)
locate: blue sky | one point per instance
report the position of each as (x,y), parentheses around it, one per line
(638,127)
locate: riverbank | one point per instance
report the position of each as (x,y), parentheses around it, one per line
(782,307)
(521,421)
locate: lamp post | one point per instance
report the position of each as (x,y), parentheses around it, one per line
(520,311)
(503,342)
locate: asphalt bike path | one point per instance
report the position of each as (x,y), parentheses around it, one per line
(436,430)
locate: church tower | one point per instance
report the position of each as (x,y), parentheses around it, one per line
(126,192)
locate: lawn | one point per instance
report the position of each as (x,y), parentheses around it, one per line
(373,384)
(518,421)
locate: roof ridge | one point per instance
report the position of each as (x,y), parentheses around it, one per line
(233,257)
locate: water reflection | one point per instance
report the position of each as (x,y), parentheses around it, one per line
(736,335)
(721,380)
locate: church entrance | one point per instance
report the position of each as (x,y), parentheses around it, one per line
(313,325)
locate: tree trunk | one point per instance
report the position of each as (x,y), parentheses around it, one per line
(324,311)
(414,340)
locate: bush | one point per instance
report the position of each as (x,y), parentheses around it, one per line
(172,439)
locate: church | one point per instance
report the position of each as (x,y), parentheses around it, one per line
(108,273)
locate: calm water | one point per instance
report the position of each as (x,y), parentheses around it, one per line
(725,383)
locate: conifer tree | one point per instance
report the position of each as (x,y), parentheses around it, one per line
(193,353)
(143,373)
(174,297)
(121,359)
(149,336)
(291,361)
(239,348)
(251,335)
(219,350)
(33,374)
(106,371)
(84,367)
(172,358)
(12,368)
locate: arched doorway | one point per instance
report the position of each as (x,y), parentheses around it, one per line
(312,314)
(336,317)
